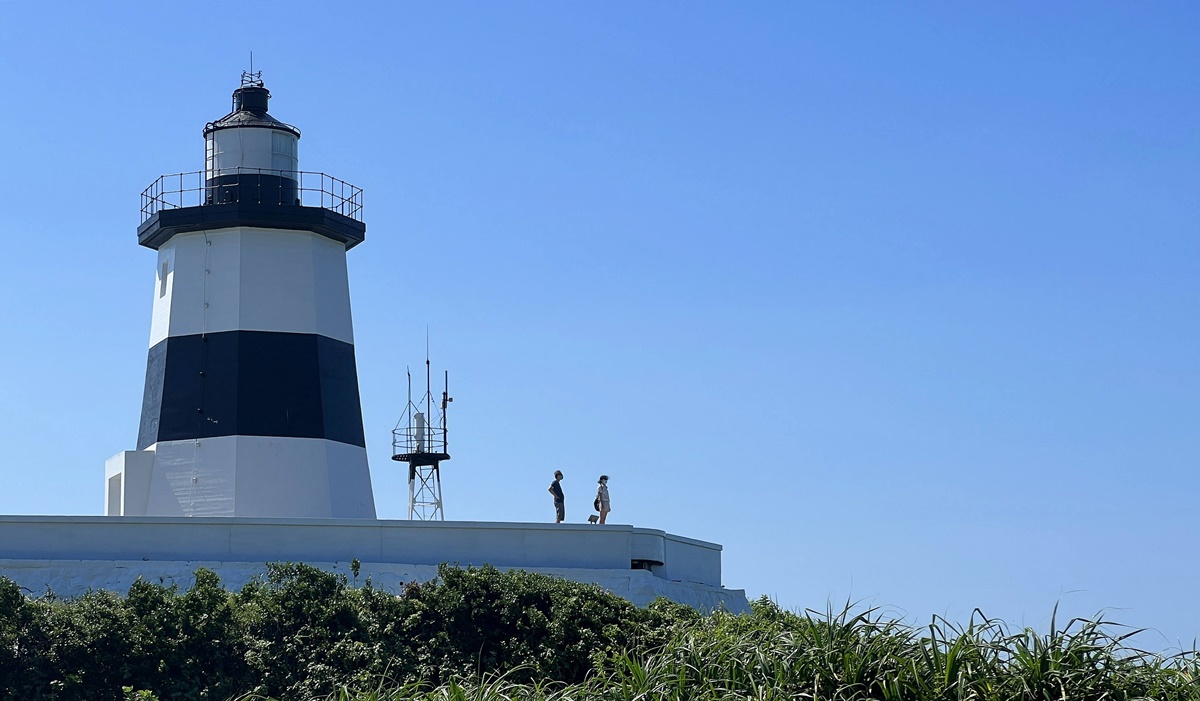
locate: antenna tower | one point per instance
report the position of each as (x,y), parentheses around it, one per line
(419,440)
(251,77)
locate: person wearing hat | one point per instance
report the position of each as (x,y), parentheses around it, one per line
(602,497)
(557,492)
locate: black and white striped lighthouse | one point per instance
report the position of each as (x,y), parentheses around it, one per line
(251,404)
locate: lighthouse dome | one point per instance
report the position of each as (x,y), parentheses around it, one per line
(250,110)
(247,145)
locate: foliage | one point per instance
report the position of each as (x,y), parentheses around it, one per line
(302,633)
(848,655)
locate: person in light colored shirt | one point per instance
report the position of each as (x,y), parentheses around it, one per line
(602,497)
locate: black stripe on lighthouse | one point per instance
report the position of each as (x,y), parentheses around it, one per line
(251,383)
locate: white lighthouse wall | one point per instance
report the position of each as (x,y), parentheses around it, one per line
(276,290)
(350,491)
(261,476)
(252,279)
(281,475)
(193,478)
(164,276)
(200,269)
(331,284)
(294,281)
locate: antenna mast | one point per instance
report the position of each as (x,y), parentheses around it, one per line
(419,440)
(252,78)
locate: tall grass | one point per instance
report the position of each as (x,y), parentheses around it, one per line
(851,655)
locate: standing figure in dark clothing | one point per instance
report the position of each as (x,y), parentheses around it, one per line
(557,492)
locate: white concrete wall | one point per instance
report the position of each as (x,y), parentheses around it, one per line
(252,279)
(689,560)
(68,578)
(259,540)
(127,478)
(263,476)
(648,546)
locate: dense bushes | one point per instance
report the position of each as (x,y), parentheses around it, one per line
(188,646)
(302,633)
(299,632)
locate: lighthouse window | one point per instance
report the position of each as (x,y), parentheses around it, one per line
(212,154)
(162,279)
(283,151)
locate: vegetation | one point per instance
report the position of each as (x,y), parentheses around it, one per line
(482,634)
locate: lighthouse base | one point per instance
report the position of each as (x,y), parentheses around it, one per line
(260,476)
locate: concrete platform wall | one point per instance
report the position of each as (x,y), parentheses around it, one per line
(80,552)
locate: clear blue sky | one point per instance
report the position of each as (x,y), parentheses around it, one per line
(896,301)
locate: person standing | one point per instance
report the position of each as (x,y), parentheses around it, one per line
(602,497)
(557,492)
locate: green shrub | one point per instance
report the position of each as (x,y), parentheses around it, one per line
(479,633)
(303,633)
(190,646)
(472,621)
(25,664)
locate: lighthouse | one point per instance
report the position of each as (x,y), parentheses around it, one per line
(251,403)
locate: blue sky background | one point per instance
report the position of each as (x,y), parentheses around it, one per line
(896,301)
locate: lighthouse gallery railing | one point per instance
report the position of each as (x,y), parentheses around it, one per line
(258,185)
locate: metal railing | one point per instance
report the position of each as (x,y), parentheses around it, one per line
(416,436)
(258,185)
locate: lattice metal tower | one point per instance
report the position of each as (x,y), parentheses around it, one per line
(419,440)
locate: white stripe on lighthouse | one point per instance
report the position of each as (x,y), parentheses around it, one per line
(259,476)
(252,279)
